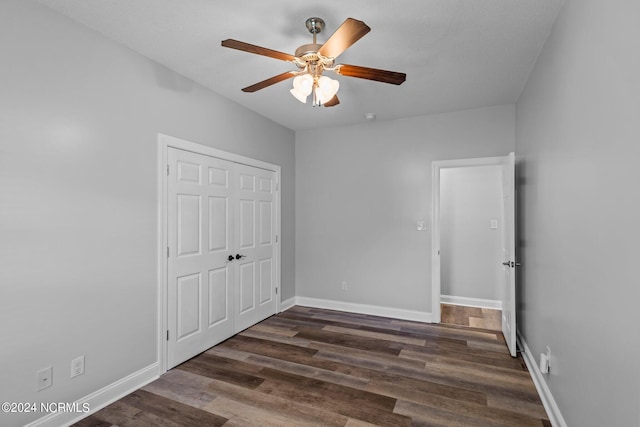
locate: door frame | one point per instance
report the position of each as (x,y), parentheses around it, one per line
(436,167)
(164,143)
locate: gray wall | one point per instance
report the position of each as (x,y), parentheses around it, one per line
(361,189)
(471,251)
(578,147)
(79,118)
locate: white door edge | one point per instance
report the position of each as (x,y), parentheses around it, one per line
(436,167)
(164,143)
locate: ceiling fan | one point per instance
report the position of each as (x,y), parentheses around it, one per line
(314,59)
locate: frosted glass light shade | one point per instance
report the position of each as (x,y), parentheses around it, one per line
(302,87)
(327,89)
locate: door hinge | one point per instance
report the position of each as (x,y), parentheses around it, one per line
(167,251)
(276,290)
(167,335)
(167,170)
(276,238)
(277,186)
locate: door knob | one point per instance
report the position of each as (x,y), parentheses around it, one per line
(507,263)
(238,256)
(230,257)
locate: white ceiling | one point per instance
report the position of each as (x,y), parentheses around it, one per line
(457,54)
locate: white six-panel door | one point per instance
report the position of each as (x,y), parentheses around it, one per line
(220,272)
(254,237)
(200,277)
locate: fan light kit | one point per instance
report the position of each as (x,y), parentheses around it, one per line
(313,59)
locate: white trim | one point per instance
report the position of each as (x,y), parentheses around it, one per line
(549,403)
(164,142)
(374,310)
(471,302)
(101,398)
(287,304)
(436,166)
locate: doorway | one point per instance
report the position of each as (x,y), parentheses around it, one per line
(487,244)
(471,245)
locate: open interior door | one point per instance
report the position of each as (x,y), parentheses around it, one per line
(509,254)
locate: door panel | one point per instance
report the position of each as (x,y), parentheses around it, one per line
(218,295)
(255,242)
(189,303)
(247,224)
(266,223)
(508,249)
(247,286)
(218,223)
(188,224)
(265,281)
(199,275)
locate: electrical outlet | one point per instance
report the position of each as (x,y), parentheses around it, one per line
(545,361)
(77,366)
(549,356)
(345,286)
(44,378)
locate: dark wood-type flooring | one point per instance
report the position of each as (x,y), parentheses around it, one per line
(313,367)
(475,317)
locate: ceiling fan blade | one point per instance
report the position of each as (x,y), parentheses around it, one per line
(332,102)
(383,76)
(347,34)
(271,81)
(258,50)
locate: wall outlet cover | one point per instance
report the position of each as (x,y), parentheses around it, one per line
(77,366)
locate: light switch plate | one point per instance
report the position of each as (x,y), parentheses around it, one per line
(494,224)
(421,226)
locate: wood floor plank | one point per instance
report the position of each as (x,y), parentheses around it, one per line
(351,341)
(481,415)
(428,353)
(305,369)
(424,416)
(232,371)
(346,401)
(315,367)
(377,335)
(168,412)
(294,409)
(184,387)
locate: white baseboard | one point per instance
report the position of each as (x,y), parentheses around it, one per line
(101,398)
(549,403)
(375,310)
(287,304)
(471,302)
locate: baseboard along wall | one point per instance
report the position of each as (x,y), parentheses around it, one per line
(374,310)
(471,302)
(539,380)
(101,398)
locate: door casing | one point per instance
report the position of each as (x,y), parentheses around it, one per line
(164,142)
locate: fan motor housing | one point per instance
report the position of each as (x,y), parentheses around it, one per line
(308,52)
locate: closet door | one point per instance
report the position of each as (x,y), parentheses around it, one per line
(200,276)
(254,242)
